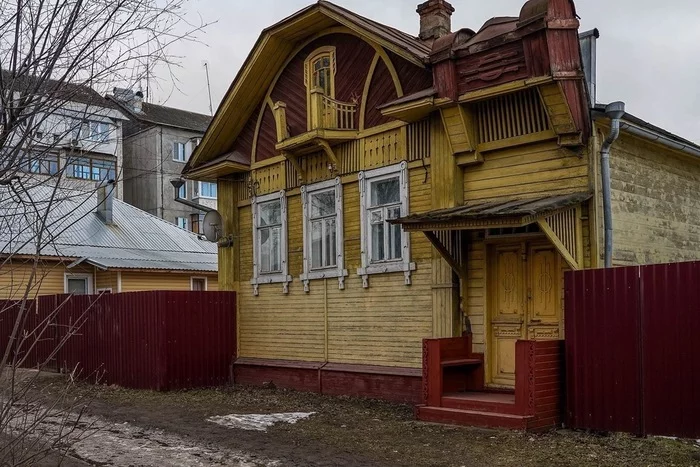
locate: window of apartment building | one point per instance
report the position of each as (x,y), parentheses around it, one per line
(323,232)
(90,130)
(87,168)
(181,222)
(383,198)
(270,240)
(179,154)
(41,164)
(207,190)
(198,284)
(182,191)
(196,223)
(78,284)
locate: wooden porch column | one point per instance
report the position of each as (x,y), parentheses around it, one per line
(447,191)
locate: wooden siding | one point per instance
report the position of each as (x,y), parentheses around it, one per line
(527,171)
(137,281)
(244,142)
(655,202)
(381,91)
(107,280)
(381,325)
(267,136)
(412,78)
(48,280)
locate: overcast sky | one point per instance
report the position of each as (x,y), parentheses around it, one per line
(648,51)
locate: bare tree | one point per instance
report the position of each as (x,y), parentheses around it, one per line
(58,58)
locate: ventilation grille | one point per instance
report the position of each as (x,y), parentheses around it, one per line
(418,140)
(517,114)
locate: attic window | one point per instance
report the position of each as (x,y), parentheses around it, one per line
(320,71)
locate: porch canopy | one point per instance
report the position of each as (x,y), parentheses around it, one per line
(558,216)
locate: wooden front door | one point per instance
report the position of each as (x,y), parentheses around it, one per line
(524,303)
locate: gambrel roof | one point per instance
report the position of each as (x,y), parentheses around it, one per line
(271,52)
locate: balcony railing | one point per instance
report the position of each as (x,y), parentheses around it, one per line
(325,113)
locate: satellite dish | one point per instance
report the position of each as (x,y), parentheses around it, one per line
(212,226)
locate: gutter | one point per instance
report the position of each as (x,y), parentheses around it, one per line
(656,137)
(614,112)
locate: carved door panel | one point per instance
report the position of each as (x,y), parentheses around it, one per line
(507,311)
(544,293)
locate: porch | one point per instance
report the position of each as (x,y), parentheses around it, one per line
(454,390)
(510,257)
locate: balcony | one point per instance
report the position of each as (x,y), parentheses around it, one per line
(331,122)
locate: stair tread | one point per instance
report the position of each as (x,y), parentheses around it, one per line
(461,361)
(475,412)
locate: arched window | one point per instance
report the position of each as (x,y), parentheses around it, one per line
(320,71)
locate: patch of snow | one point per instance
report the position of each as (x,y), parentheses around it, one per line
(258,422)
(101,442)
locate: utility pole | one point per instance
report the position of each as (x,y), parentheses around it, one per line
(211,107)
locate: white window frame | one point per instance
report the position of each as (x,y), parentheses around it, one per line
(184,152)
(177,222)
(206,282)
(282,277)
(104,290)
(199,190)
(402,264)
(86,276)
(338,270)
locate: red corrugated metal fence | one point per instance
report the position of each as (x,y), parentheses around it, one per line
(633,351)
(143,340)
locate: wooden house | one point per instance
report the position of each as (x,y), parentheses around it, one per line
(57,240)
(403,208)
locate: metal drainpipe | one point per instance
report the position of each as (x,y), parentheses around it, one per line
(614,112)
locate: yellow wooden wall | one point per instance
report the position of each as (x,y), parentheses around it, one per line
(107,280)
(136,281)
(538,169)
(48,280)
(655,203)
(381,325)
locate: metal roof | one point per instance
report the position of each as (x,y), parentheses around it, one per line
(497,209)
(135,240)
(169,116)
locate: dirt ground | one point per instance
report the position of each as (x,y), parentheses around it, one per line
(164,427)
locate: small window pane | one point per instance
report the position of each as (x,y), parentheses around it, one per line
(276,253)
(265,250)
(330,243)
(270,213)
(378,242)
(77,286)
(199,285)
(376,217)
(394,242)
(323,204)
(316,244)
(385,192)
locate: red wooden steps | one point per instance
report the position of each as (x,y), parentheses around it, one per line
(462,362)
(498,403)
(473,418)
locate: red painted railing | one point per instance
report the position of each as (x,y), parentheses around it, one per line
(632,349)
(143,340)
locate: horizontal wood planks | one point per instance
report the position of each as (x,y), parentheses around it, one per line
(381,325)
(48,278)
(137,281)
(535,169)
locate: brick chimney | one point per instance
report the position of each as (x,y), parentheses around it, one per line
(435,19)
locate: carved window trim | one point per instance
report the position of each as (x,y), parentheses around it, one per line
(339,270)
(282,277)
(402,264)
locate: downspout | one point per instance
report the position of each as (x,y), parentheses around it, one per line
(614,112)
